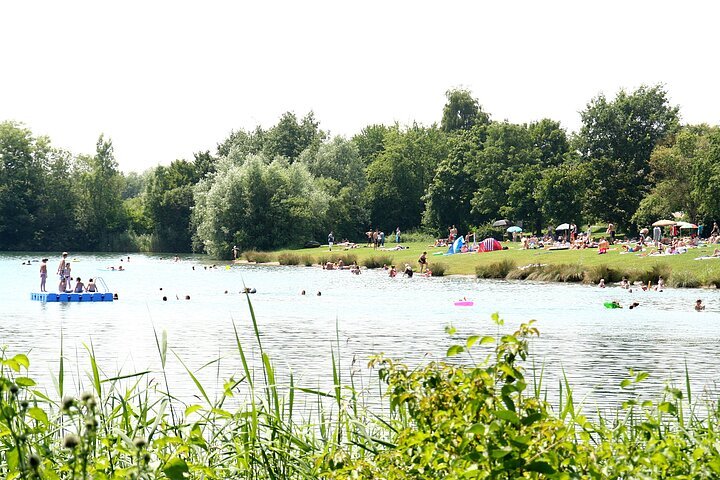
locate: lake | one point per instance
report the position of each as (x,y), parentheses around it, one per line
(370,313)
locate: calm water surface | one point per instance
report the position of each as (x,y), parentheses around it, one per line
(371,313)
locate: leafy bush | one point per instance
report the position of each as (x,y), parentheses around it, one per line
(347,258)
(289,259)
(308,260)
(412,236)
(499,269)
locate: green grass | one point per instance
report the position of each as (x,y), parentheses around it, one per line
(611,266)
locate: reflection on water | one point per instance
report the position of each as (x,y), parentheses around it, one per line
(404,318)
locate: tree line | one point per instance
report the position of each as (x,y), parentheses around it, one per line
(632,162)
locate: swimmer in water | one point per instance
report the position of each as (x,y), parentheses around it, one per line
(699,306)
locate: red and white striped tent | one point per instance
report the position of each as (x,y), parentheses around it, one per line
(489,245)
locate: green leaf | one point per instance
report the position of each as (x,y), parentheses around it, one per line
(12,364)
(540,467)
(641,376)
(471,341)
(487,339)
(38,414)
(454,350)
(501,452)
(668,407)
(192,409)
(175,469)
(22,360)
(450,330)
(25,382)
(625,383)
(477,428)
(508,416)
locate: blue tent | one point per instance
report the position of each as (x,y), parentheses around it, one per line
(457,245)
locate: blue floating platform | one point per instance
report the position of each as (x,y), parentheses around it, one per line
(72,297)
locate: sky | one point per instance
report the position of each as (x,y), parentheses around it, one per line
(164,79)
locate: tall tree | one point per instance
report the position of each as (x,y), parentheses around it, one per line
(400,176)
(289,137)
(21,182)
(618,137)
(462,111)
(99,186)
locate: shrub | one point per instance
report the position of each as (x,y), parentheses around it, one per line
(257,257)
(307,260)
(438,269)
(289,259)
(411,236)
(377,261)
(682,279)
(499,269)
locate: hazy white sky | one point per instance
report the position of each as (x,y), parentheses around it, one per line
(164,79)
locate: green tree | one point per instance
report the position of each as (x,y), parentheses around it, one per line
(454,184)
(258,205)
(21,184)
(617,137)
(289,137)
(99,186)
(371,141)
(169,199)
(400,176)
(462,111)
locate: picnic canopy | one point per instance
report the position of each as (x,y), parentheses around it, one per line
(501,223)
(514,229)
(563,226)
(664,223)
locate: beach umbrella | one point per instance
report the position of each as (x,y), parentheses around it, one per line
(664,223)
(645,231)
(563,226)
(514,229)
(686,225)
(501,223)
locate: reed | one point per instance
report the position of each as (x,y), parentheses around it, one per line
(499,269)
(684,280)
(438,269)
(257,257)
(289,259)
(377,261)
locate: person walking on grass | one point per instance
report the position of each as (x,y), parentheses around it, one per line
(331,240)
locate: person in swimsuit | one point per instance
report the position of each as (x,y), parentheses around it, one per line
(79,286)
(423,261)
(91,287)
(43,274)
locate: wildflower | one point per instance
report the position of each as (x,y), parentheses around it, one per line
(140,442)
(86,396)
(67,403)
(34,461)
(71,441)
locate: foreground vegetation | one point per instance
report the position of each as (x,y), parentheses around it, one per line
(517,264)
(481,417)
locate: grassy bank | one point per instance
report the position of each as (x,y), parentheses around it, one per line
(564,265)
(459,420)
